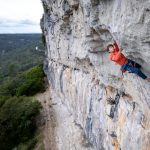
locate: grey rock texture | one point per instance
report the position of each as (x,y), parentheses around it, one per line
(95,110)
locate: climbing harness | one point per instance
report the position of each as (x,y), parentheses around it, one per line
(130,63)
(134,64)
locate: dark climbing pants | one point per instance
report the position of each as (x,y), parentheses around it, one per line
(133,67)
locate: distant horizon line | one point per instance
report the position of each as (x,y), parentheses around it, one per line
(23,33)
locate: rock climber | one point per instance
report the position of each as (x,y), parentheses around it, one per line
(126,64)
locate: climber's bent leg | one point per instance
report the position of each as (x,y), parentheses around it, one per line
(137,71)
(133,64)
(141,74)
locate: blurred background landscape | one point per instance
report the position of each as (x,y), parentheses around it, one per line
(21,73)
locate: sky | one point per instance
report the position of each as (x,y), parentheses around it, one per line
(20,16)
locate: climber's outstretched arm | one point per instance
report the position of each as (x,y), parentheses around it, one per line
(117,47)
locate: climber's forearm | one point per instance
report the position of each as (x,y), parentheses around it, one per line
(114,41)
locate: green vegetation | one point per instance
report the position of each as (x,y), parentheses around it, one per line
(21,76)
(27,83)
(32,143)
(33,82)
(17,120)
(18,53)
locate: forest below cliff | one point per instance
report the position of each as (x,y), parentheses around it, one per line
(21,77)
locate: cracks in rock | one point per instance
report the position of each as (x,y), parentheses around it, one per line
(57,45)
(78,125)
(66,7)
(144,16)
(128,96)
(53,104)
(51,75)
(66,66)
(89,125)
(84,63)
(111,101)
(134,105)
(113,134)
(85,142)
(65,27)
(60,4)
(45,66)
(51,23)
(95,2)
(81,65)
(114,105)
(75,7)
(142,119)
(56,61)
(90,139)
(115,142)
(100,37)
(61,81)
(49,71)
(60,78)
(68,11)
(101,86)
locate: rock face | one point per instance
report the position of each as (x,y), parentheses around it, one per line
(94,109)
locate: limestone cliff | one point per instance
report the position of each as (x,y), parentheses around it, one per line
(83,80)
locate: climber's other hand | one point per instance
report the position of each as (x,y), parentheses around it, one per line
(121,78)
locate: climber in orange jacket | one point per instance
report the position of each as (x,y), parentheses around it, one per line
(125,63)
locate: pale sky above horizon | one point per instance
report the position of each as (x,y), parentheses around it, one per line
(20,16)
